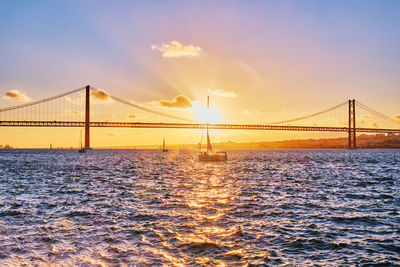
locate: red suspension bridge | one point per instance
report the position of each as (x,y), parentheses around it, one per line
(74,109)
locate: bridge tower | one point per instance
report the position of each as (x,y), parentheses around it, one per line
(87,118)
(352,124)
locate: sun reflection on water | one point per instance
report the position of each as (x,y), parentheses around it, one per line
(208,197)
(148,208)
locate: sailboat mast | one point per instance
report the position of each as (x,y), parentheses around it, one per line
(208,112)
(209,148)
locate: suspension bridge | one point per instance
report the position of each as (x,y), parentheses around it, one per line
(90,107)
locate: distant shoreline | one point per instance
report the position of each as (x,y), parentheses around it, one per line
(364,141)
(186,149)
(378,141)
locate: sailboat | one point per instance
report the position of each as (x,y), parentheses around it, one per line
(163,146)
(81,150)
(210,155)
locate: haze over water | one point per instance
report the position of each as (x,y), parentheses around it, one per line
(148,208)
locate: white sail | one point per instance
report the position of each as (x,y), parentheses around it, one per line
(209,147)
(210,155)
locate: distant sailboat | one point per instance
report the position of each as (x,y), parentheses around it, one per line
(163,146)
(81,150)
(210,155)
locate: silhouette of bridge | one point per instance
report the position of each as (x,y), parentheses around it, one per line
(74,109)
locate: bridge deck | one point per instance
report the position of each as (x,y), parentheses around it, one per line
(190,126)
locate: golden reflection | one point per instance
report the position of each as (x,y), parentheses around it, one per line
(167,256)
(214,217)
(66,223)
(62,247)
(97,262)
(171,156)
(207,199)
(49,265)
(105,255)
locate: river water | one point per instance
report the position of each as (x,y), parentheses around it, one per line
(148,208)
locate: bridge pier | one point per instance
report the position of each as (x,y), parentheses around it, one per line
(352,125)
(87,118)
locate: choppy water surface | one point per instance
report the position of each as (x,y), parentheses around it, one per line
(142,208)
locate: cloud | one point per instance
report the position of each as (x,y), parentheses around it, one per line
(249,113)
(397,117)
(246,112)
(176,49)
(222,93)
(110,134)
(131,116)
(100,95)
(179,101)
(15,94)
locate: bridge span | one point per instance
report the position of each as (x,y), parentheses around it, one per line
(216,126)
(38,114)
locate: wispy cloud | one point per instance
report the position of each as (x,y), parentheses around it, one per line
(131,116)
(222,93)
(175,49)
(246,112)
(15,94)
(100,95)
(250,113)
(178,102)
(397,117)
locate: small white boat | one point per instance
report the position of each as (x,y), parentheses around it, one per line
(209,154)
(82,149)
(163,146)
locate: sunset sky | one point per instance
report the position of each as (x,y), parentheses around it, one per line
(260,61)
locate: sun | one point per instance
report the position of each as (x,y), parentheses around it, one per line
(203,115)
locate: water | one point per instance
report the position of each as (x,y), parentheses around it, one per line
(148,208)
